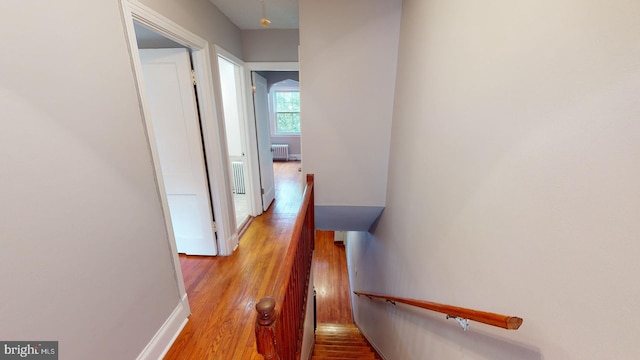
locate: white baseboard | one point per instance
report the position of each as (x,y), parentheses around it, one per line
(234,240)
(167,334)
(185,305)
(295,157)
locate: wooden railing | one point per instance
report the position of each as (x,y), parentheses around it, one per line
(503,321)
(280,320)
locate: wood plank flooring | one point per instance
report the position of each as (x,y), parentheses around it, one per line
(223,290)
(331,281)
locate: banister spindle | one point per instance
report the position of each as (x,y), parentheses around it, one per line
(265,328)
(280,320)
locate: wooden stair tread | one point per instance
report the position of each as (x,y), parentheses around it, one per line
(345,347)
(350,350)
(314,357)
(346,354)
(341,341)
(372,357)
(337,327)
(339,335)
(354,337)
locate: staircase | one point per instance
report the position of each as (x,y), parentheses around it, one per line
(341,341)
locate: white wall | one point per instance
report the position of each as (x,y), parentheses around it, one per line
(308,332)
(354,44)
(348,144)
(513,182)
(347,75)
(271,45)
(228,72)
(84,256)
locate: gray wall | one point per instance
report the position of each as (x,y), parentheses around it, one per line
(274,77)
(84,256)
(513,182)
(147,39)
(277,45)
(348,60)
(203,19)
(293,141)
(294,145)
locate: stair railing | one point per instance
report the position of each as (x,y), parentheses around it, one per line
(462,315)
(280,320)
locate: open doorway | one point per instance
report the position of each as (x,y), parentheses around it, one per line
(198,50)
(171,98)
(232,86)
(283,94)
(277,115)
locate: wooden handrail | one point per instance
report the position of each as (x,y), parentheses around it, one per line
(280,320)
(502,321)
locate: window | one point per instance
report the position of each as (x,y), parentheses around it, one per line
(287,112)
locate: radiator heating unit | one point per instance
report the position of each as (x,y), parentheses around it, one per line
(238,177)
(280,152)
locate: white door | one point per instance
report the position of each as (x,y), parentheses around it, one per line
(171,99)
(261,108)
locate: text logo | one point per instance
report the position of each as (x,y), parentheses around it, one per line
(42,350)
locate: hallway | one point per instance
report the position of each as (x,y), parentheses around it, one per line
(223,290)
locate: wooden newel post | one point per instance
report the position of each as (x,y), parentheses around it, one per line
(265,328)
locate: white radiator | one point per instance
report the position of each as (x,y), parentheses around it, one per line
(238,177)
(280,152)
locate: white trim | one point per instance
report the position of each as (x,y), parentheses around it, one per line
(219,183)
(249,133)
(272,107)
(253,145)
(220,51)
(185,304)
(167,334)
(216,150)
(128,11)
(254,164)
(157,22)
(273,66)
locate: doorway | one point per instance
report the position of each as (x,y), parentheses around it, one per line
(211,140)
(172,102)
(235,122)
(278,129)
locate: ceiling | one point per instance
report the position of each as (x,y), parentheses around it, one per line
(246,14)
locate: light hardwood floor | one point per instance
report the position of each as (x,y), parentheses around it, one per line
(223,290)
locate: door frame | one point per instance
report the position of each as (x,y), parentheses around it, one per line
(253,132)
(249,129)
(201,239)
(135,11)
